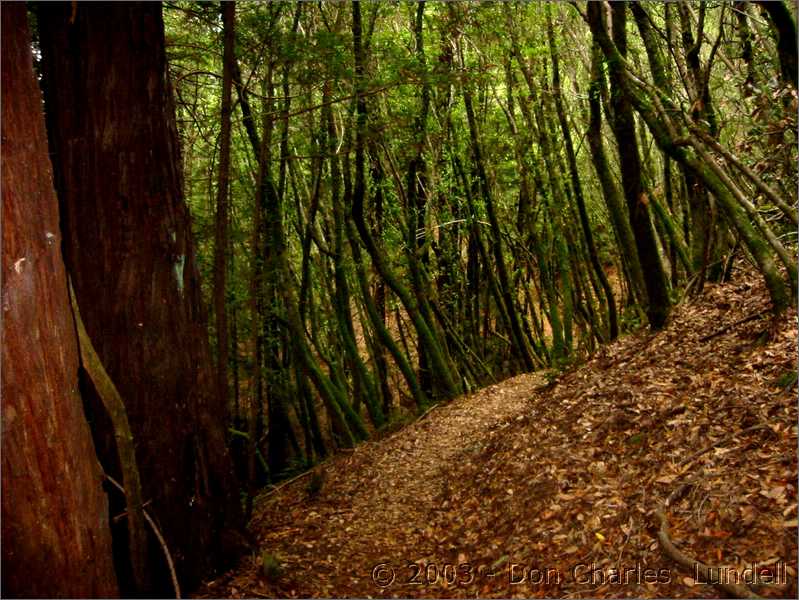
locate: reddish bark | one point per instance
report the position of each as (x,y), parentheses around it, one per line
(128,247)
(56,536)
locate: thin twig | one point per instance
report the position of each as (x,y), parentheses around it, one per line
(256,593)
(719,442)
(427,412)
(726,328)
(158,535)
(125,513)
(705,572)
(624,545)
(277,488)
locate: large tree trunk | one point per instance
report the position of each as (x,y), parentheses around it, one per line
(56,535)
(128,247)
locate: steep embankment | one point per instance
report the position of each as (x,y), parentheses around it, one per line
(525,489)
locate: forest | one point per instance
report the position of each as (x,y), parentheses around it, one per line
(399,298)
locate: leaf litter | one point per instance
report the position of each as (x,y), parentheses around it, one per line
(528,489)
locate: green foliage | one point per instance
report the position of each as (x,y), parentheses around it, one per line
(500,53)
(558,367)
(271,567)
(397,420)
(631,318)
(787,380)
(637,439)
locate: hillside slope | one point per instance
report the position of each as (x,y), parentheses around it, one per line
(529,489)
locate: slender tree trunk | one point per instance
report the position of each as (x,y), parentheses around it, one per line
(222,194)
(785,28)
(668,192)
(482,253)
(664,134)
(593,255)
(380,295)
(278,341)
(634,191)
(747,53)
(364,384)
(55,522)
(520,346)
(703,216)
(613,199)
(416,201)
(234,363)
(445,372)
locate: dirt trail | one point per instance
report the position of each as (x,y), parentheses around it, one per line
(560,484)
(403,479)
(375,505)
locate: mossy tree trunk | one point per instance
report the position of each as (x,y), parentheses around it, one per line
(636,196)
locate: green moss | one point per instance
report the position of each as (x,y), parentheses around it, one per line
(271,568)
(787,380)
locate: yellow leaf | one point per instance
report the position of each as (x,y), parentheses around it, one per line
(599,536)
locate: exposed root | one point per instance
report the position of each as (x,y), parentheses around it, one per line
(704,571)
